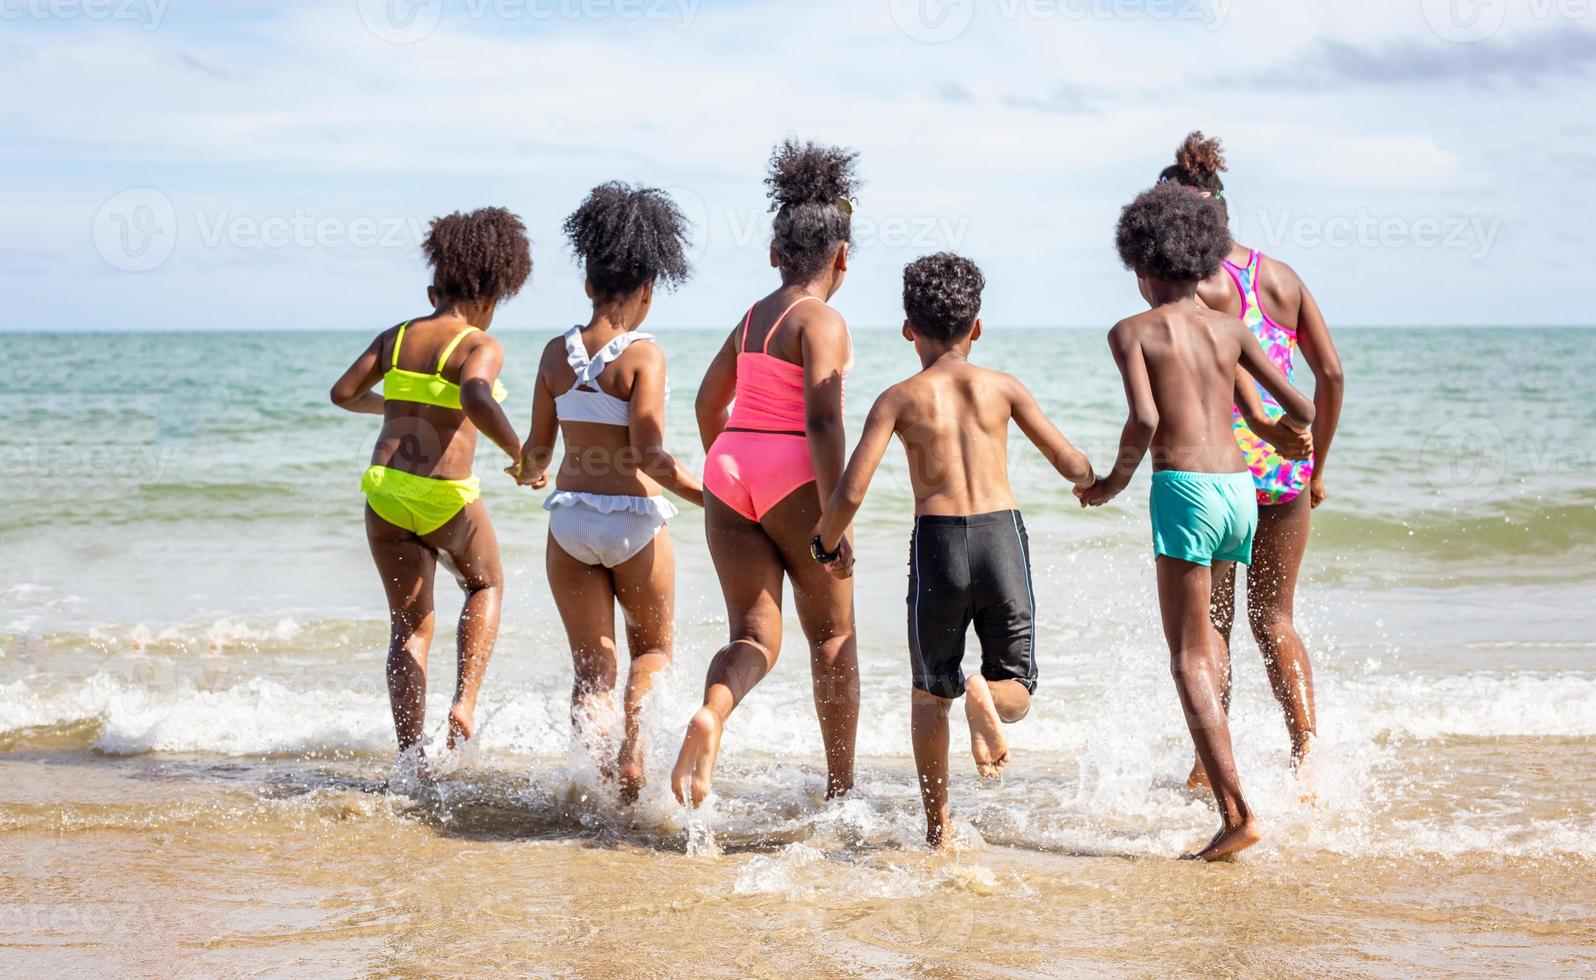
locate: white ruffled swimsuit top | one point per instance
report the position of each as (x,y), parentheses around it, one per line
(585,401)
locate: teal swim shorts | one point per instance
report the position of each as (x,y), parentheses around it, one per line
(1204,517)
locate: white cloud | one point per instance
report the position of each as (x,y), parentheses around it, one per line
(269,110)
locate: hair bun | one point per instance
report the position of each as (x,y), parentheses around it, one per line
(1200,157)
(810,173)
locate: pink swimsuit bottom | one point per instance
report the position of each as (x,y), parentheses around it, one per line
(751,472)
(763,455)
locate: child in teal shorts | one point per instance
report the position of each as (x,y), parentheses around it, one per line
(1180,365)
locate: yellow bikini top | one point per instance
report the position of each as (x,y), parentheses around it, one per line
(399,385)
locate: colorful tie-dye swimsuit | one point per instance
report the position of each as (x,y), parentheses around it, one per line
(1276,479)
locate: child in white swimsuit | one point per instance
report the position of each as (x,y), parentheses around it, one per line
(601,389)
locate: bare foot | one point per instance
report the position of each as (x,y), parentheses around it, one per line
(629,771)
(939,837)
(1229,842)
(987,742)
(1199,776)
(1305,765)
(462,724)
(695,766)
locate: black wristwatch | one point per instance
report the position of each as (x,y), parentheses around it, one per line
(817,551)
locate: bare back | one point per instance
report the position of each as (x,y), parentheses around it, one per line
(1188,357)
(427,440)
(953,419)
(600,458)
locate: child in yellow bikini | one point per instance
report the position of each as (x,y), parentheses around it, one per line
(440,380)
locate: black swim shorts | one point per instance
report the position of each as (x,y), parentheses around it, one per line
(965,570)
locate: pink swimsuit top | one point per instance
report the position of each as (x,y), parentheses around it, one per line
(770,391)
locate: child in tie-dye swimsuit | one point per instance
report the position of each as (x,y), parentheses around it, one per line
(1276,479)
(1281,313)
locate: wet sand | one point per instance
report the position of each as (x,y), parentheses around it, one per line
(203,866)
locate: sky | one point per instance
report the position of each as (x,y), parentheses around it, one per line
(250,164)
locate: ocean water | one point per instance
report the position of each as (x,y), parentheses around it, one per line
(191,680)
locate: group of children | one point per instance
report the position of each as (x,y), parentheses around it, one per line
(601,388)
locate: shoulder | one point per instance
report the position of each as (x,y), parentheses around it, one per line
(1126,330)
(554,350)
(1275,275)
(893,399)
(1003,381)
(820,322)
(482,341)
(641,356)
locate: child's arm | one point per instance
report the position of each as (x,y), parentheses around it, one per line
(1070,462)
(1328,384)
(352,392)
(850,493)
(1299,410)
(531,470)
(477,375)
(1141,424)
(1288,442)
(647,428)
(716,392)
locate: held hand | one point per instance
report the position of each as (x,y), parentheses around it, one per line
(1289,441)
(1316,492)
(1097,494)
(842,568)
(527,476)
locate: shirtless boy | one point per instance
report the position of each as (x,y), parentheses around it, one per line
(1179,362)
(969,556)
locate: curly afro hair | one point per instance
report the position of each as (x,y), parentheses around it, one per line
(483,255)
(808,184)
(942,295)
(1198,163)
(1172,233)
(628,237)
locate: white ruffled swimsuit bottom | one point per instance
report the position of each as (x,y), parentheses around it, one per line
(605,529)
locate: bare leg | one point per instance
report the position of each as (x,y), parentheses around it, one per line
(646,587)
(585,596)
(468,546)
(406,565)
(987,707)
(750,570)
(1184,591)
(928,725)
(1271,593)
(1222,613)
(825,611)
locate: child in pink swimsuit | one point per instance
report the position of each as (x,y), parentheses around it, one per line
(763,453)
(773,457)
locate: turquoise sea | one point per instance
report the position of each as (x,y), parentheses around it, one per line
(186,597)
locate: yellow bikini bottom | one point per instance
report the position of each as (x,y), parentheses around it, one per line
(419,504)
